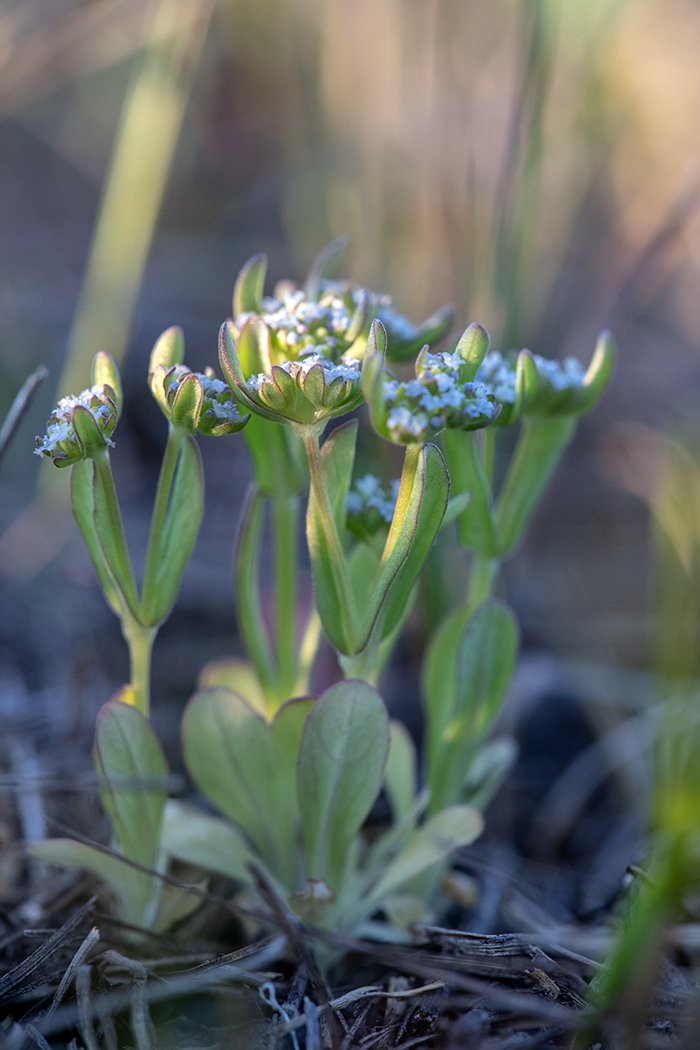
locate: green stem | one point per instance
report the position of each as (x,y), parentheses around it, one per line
(343,596)
(247,588)
(489,453)
(307,652)
(139,640)
(160,510)
(482,579)
(285,516)
(122,568)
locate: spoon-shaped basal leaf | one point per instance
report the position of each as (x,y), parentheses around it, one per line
(133,889)
(133,775)
(182,523)
(232,755)
(194,837)
(340,771)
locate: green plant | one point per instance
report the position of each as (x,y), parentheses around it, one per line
(295,776)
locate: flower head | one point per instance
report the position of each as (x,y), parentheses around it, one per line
(79,426)
(327,317)
(304,392)
(193,401)
(442,396)
(536,385)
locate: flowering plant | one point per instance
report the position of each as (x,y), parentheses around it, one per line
(294,775)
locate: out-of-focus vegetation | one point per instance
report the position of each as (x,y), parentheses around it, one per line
(534,162)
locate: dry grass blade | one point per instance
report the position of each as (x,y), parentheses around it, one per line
(32,971)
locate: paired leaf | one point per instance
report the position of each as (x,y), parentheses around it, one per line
(337,461)
(475,525)
(540,446)
(179,535)
(83,500)
(340,771)
(462,704)
(413,530)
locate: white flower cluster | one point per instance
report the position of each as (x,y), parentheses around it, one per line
(349,372)
(498,372)
(218,403)
(563,375)
(436,399)
(300,326)
(367,494)
(60,433)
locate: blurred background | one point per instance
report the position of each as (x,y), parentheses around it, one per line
(535,162)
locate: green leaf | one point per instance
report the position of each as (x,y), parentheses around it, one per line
(439,679)
(400,778)
(473,347)
(277,470)
(83,500)
(136,892)
(188,404)
(337,460)
(233,757)
(476,525)
(169,349)
(250,285)
(460,717)
(434,842)
(179,534)
(540,446)
(91,439)
(247,589)
(408,543)
(133,775)
(457,505)
(234,673)
(109,529)
(105,372)
(363,564)
(341,767)
(598,374)
(488,768)
(194,837)
(323,265)
(333,591)
(373,376)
